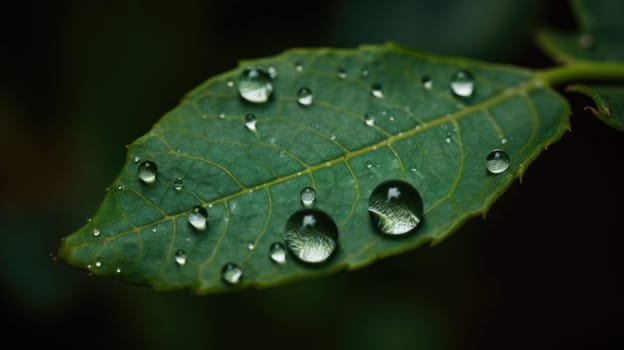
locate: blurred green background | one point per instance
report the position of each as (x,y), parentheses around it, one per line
(80,79)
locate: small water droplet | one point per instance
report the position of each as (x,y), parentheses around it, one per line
(369,119)
(147,171)
(448,138)
(586,41)
(369,164)
(251,245)
(307,196)
(503,141)
(304,96)
(98,264)
(120,187)
(332,137)
(298,66)
(427,83)
(222,115)
(364,72)
(231,273)
(376,90)
(198,217)
(230,83)
(154,229)
(178,184)
(137,159)
(272,72)
(462,83)
(395,207)
(96,232)
(250,122)
(497,161)
(277,252)
(254,85)
(311,235)
(118,270)
(180,257)
(282,153)
(342,73)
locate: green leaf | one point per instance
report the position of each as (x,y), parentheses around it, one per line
(609,102)
(250,181)
(599,37)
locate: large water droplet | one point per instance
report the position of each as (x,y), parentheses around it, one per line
(178,184)
(277,252)
(462,83)
(147,171)
(376,90)
(197,217)
(497,161)
(308,196)
(250,122)
(427,82)
(304,96)
(311,235)
(395,207)
(254,85)
(231,273)
(180,257)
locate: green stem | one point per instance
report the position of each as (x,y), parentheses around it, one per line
(581,71)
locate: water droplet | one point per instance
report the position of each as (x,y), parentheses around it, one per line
(272,72)
(180,257)
(120,187)
(503,141)
(178,184)
(231,273)
(586,41)
(197,217)
(376,90)
(427,82)
(462,83)
(304,96)
(96,232)
(147,171)
(369,119)
(282,153)
(298,66)
(308,196)
(118,270)
(311,235)
(222,115)
(395,207)
(497,161)
(251,245)
(364,72)
(250,122)
(230,83)
(332,137)
(137,159)
(254,85)
(448,138)
(369,164)
(98,264)
(277,252)
(342,74)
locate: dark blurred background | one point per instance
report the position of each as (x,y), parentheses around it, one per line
(80,79)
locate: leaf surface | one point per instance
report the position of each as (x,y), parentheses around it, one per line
(250,181)
(599,38)
(609,102)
